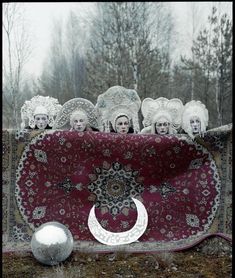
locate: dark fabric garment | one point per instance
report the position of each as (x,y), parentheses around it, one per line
(47,127)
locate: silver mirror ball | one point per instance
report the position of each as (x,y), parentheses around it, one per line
(52,243)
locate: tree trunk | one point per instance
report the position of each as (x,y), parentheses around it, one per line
(218,104)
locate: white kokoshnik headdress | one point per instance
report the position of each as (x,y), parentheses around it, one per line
(118,101)
(194,108)
(154,109)
(75,106)
(43,105)
(119,111)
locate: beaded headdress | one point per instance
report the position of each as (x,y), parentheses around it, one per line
(44,105)
(74,106)
(118,101)
(154,109)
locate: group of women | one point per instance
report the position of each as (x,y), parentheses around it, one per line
(117,110)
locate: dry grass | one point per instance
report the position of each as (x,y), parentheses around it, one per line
(210,259)
(188,264)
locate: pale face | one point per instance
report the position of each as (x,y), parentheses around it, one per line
(122,125)
(162,126)
(195,124)
(79,123)
(41,121)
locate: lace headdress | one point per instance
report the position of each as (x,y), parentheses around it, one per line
(76,106)
(39,105)
(118,101)
(154,109)
(194,108)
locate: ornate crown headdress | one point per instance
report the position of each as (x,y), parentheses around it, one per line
(117,101)
(194,108)
(73,106)
(39,105)
(152,110)
(118,111)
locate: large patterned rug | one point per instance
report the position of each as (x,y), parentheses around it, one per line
(185,186)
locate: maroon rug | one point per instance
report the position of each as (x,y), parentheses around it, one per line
(61,175)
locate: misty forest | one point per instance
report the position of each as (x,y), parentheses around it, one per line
(123,43)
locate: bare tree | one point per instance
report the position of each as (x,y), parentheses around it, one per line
(125,50)
(195,18)
(221,59)
(63,71)
(213,66)
(53,80)
(74,44)
(17,50)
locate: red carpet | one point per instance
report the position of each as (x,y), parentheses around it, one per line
(62,174)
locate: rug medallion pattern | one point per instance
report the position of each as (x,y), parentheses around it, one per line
(60,175)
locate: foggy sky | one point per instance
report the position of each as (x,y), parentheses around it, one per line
(40,16)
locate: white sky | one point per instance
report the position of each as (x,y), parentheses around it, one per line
(182,12)
(40,17)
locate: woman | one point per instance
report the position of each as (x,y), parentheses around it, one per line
(39,112)
(122,124)
(162,123)
(161,116)
(77,114)
(195,118)
(79,122)
(118,109)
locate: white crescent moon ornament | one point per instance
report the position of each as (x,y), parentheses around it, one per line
(111,238)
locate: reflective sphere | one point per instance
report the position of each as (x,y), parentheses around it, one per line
(52,243)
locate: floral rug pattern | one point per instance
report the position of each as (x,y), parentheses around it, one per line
(61,175)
